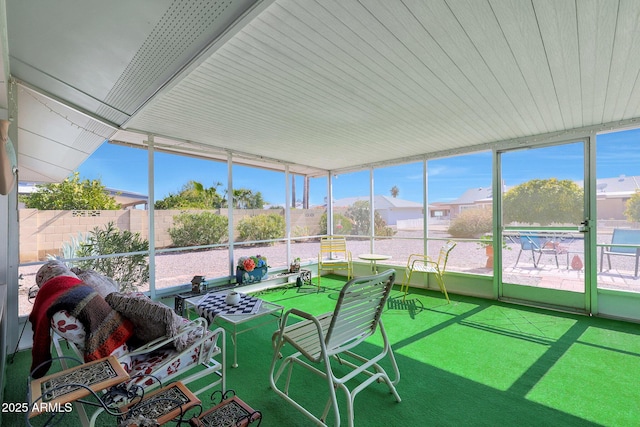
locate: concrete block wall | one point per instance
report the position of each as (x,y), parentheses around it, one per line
(44,233)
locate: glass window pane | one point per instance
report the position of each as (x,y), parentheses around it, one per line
(46,231)
(460,207)
(258,214)
(191,223)
(618,209)
(351,195)
(306,219)
(399,211)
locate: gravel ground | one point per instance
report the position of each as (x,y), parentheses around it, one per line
(176,268)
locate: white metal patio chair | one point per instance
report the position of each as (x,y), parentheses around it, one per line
(321,340)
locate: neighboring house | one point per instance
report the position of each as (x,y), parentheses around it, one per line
(440,211)
(612,197)
(391,209)
(613,194)
(473,198)
(129,200)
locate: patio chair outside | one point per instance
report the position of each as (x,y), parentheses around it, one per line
(334,255)
(425,264)
(540,245)
(622,236)
(318,340)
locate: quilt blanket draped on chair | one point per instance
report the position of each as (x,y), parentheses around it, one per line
(106,329)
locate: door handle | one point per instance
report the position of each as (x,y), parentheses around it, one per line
(584,226)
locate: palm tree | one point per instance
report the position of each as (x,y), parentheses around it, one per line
(395,191)
(209,196)
(244,198)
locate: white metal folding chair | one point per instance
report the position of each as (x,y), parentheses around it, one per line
(317,338)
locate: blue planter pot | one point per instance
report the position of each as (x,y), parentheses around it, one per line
(243,276)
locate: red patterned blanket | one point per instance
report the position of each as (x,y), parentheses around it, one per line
(105,328)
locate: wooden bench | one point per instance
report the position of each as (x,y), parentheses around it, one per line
(627,238)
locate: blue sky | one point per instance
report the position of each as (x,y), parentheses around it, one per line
(125,169)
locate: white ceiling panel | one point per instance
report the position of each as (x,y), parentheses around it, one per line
(53,138)
(293,82)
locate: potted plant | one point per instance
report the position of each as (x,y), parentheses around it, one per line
(486,242)
(294,267)
(251,269)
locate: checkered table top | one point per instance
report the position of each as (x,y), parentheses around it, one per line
(213,305)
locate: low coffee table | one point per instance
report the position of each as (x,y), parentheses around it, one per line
(250,309)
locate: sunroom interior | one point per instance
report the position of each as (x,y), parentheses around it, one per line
(332,101)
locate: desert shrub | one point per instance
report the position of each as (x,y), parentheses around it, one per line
(341,224)
(356,222)
(632,211)
(194,229)
(69,250)
(261,227)
(471,223)
(129,271)
(381,227)
(360,216)
(299,231)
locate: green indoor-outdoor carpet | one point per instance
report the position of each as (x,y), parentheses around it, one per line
(472,362)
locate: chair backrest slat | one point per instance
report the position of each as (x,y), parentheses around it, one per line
(333,245)
(443,257)
(359,308)
(625,237)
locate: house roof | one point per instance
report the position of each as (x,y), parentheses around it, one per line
(473,195)
(613,187)
(618,185)
(290,83)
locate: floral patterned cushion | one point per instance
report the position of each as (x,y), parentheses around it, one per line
(71,329)
(165,362)
(160,363)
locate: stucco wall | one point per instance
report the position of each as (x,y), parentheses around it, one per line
(44,232)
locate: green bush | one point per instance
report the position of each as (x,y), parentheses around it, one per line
(381,228)
(544,202)
(129,271)
(356,222)
(471,223)
(72,193)
(194,229)
(632,211)
(341,224)
(261,227)
(360,216)
(299,231)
